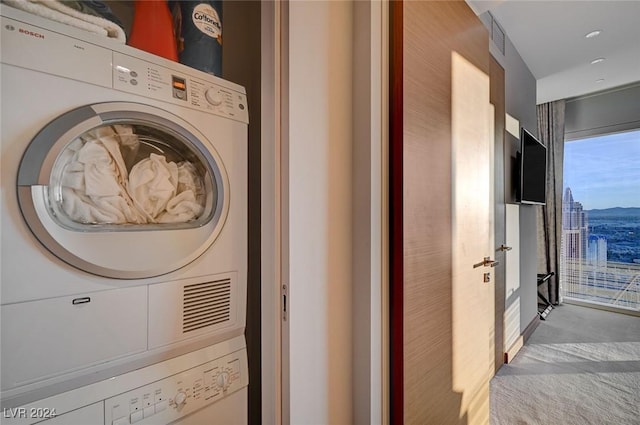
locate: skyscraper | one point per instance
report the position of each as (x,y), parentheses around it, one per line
(575,242)
(597,252)
(575,227)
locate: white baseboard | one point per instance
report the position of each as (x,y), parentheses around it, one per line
(513,350)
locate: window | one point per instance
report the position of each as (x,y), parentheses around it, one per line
(600,249)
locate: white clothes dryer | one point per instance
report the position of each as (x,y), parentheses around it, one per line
(123,209)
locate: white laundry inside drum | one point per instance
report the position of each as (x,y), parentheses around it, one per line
(128,174)
(109,188)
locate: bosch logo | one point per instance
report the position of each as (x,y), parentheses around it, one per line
(30,33)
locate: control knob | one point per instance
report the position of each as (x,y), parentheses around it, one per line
(223,380)
(213,97)
(180,398)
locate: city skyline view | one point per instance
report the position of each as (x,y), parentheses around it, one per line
(600,255)
(604,171)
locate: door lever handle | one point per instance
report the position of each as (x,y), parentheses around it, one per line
(503,248)
(486,262)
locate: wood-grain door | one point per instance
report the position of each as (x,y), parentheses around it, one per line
(472,238)
(442,311)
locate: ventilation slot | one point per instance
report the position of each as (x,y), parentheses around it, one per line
(205,304)
(497,34)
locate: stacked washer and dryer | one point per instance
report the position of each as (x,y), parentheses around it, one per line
(124,233)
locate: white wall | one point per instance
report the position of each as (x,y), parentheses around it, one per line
(512,326)
(319,206)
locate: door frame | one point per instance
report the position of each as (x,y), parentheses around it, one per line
(371,382)
(497,81)
(272,60)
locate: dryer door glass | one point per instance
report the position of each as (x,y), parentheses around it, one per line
(125,175)
(125,190)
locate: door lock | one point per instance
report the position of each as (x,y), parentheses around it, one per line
(486,278)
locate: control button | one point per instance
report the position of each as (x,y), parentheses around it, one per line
(180,398)
(133,74)
(137,416)
(134,82)
(179,94)
(148,411)
(213,97)
(241,106)
(161,406)
(121,421)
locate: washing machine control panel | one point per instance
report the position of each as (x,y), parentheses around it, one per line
(169,399)
(144,78)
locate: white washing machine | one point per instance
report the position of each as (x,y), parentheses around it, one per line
(207,386)
(124,230)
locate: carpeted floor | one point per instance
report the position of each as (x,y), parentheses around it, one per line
(580,367)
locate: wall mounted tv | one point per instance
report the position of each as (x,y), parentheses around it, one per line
(533,170)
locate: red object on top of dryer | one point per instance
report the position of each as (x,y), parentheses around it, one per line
(152,29)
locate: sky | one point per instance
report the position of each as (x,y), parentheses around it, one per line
(604,171)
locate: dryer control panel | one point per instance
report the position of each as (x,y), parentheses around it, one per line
(147,79)
(120,67)
(169,399)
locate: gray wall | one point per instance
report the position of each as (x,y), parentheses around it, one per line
(241,64)
(520,102)
(609,111)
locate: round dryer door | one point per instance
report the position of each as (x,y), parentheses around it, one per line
(123,190)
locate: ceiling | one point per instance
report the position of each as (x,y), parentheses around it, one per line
(550,37)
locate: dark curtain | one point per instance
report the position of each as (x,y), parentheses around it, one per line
(551,134)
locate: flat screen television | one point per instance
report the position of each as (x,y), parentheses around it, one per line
(533,170)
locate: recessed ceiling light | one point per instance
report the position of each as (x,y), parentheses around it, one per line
(600,80)
(598,60)
(593,34)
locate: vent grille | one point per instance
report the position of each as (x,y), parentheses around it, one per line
(497,34)
(206,304)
